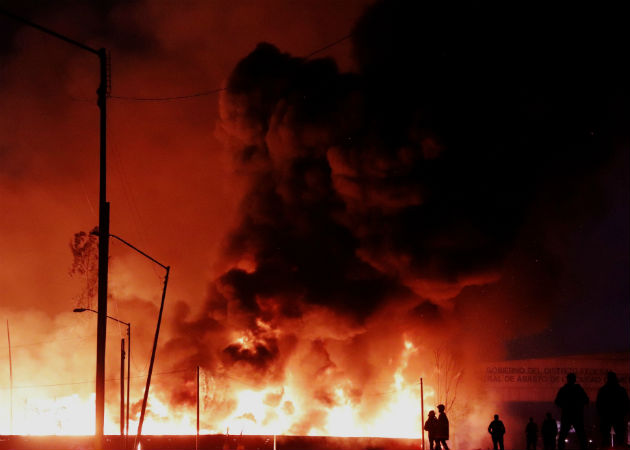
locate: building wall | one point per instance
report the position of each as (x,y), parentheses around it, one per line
(538,380)
(527,388)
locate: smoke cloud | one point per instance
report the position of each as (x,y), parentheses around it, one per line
(403,200)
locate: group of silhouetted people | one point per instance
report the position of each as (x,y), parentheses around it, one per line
(612,406)
(437,428)
(549,431)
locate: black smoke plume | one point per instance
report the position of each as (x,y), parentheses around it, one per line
(406,189)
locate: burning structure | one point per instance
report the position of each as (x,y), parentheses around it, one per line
(404,219)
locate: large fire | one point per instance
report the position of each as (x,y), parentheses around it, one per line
(399,415)
(336,231)
(44,413)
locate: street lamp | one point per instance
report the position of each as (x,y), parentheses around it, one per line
(157,333)
(124,418)
(155,339)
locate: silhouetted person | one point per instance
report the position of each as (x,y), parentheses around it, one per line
(571,400)
(497,431)
(549,431)
(431,426)
(612,406)
(531,432)
(441,432)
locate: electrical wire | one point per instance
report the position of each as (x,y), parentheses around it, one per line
(167,99)
(31,344)
(217,90)
(326,47)
(171,372)
(77,338)
(367,394)
(136,218)
(108,380)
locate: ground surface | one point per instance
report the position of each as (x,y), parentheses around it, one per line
(209,442)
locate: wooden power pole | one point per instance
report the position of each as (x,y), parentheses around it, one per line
(103,223)
(197,438)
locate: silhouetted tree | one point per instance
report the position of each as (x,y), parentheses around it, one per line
(84,248)
(448,376)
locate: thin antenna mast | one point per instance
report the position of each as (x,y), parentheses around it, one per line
(422,410)
(10,376)
(197,437)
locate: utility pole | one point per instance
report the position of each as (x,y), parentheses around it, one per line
(103,223)
(128,382)
(122,387)
(10,377)
(155,341)
(103,254)
(122,359)
(422,410)
(197,438)
(157,333)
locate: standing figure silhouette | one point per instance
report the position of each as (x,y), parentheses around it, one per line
(531,432)
(431,427)
(549,431)
(442,430)
(612,406)
(571,400)
(497,431)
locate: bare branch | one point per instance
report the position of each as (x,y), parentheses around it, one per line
(84,248)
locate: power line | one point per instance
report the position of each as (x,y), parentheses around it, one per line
(326,47)
(77,338)
(167,99)
(80,338)
(217,90)
(109,380)
(127,190)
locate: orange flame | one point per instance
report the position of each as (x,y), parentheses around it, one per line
(399,415)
